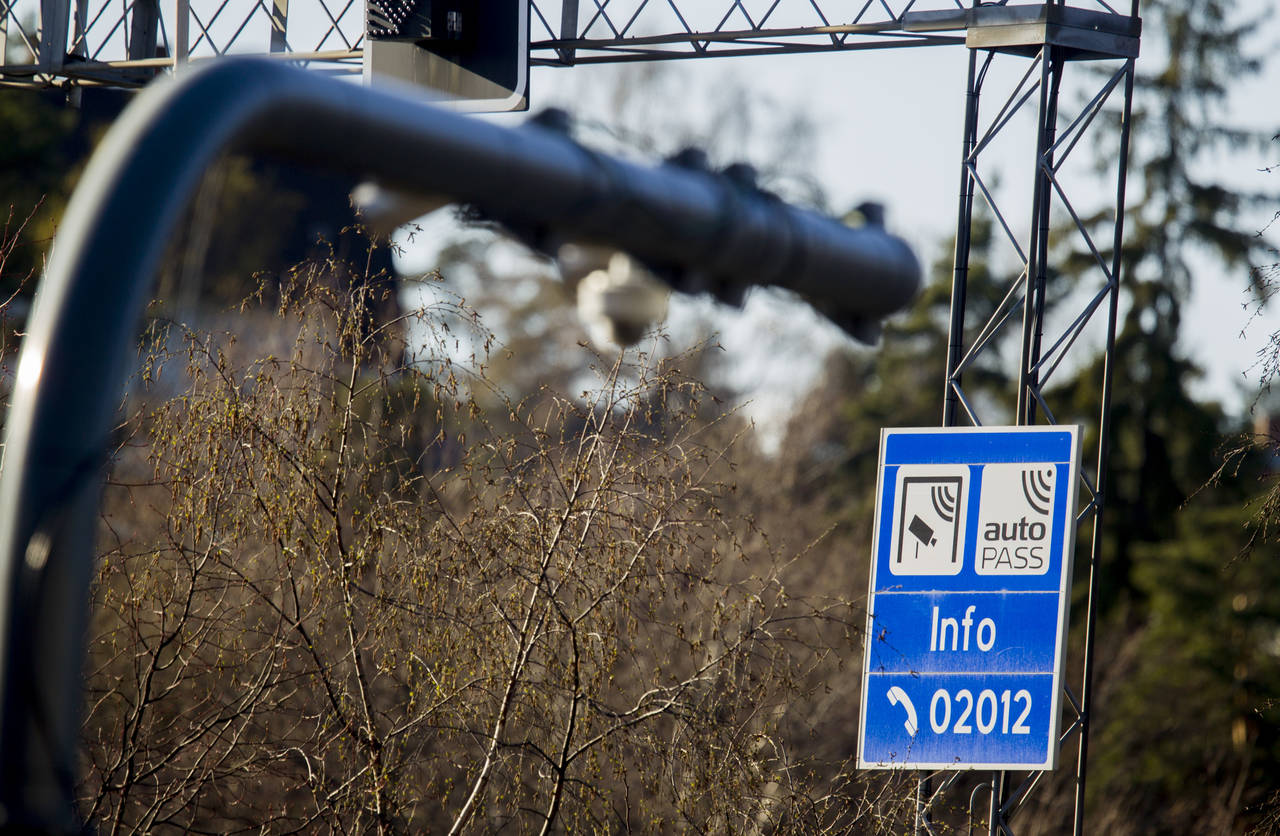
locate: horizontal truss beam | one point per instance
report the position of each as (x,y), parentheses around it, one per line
(561,33)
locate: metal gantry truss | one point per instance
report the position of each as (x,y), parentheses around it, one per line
(1047,333)
(591,31)
(127,42)
(1059,47)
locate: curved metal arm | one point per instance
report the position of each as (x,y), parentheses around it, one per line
(109,247)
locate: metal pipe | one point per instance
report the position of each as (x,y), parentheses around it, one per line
(964,235)
(111,242)
(55,17)
(1044,162)
(568,29)
(1104,452)
(995,811)
(182,33)
(279,26)
(955,342)
(1035,266)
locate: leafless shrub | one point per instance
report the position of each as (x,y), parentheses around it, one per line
(350,587)
(13,304)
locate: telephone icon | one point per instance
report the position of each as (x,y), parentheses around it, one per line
(897,696)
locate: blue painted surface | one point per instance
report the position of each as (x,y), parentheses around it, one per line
(952,448)
(887,739)
(922,654)
(907,637)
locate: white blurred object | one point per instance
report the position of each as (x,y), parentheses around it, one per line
(619,303)
(577,260)
(383,209)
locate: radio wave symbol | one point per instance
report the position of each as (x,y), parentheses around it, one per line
(1037,487)
(944,502)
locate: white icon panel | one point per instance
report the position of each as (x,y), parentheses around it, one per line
(1015,519)
(929,520)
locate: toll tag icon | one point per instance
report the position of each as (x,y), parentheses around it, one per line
(929,519)
(1015,518)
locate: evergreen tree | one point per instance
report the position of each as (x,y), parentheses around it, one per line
(1164,440)
(1182,683)
(1183,736)
(1189,740)
(34,158)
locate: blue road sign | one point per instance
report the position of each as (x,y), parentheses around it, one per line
(967,610)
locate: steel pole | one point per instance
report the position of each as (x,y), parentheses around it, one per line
(1037,251)
(955,341)
(1104,450)
(113,237)
(964,235)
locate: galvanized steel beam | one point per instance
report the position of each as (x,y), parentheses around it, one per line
(562,32)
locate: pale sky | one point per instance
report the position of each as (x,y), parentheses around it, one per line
(889,129)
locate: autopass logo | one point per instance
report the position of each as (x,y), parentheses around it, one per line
(1015,519)
(929,520)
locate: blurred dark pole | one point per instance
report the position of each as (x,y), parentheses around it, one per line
(681,221)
